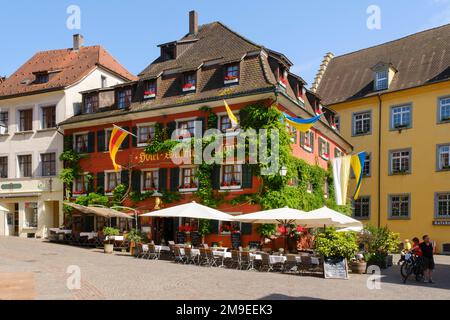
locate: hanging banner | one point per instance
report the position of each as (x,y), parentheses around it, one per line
(302,125)
(341,174)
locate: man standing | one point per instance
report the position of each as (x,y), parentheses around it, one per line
(428,260)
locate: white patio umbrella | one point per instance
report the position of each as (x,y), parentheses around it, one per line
(4,209)
(338,220)
(284,216)
(191,210)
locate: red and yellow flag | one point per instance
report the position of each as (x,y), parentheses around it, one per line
(118,135)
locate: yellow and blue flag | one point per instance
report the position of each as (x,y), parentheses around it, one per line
(233,118)
(357,163)
(302,125)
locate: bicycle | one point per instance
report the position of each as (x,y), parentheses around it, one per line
(412,264)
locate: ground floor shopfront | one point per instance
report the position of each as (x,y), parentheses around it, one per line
(33,207)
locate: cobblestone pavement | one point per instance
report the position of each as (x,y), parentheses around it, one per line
(35,269)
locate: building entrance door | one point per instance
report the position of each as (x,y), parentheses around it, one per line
(13,221)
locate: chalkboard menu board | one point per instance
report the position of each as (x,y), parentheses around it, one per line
(181,237)
(196,240)
(335,268)
(236,240)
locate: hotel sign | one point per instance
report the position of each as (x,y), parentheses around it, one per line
(441,223)
(145,158)
(11,186)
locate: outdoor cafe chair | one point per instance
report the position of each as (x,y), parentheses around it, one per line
(190,258)
(291,264)
(265,263)
(307,266)
(247,261)
(204,259)
(212,260)
(236,259)
(179,257)
(152,253)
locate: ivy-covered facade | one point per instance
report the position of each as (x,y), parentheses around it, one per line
(186,91)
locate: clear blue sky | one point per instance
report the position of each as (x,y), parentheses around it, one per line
(131,30)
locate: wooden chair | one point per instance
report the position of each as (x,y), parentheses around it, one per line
(178,256)
(235,259)
(291,265)
(265,263)
(212,260)
(247,261)
(204,259)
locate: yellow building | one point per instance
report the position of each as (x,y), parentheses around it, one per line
(393,101)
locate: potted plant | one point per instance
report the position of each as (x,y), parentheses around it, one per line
(333,244)
(267,233)
(110,233)
(358,265)
(135,237)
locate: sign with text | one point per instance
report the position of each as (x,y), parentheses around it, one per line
(335,268)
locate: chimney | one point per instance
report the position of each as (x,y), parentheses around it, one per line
(321,72)
(78,41)
(193,22)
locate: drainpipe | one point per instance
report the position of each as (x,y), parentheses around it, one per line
(380,104)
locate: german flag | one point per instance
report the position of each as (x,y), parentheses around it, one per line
(118,135)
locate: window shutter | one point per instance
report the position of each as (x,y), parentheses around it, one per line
(214,227)
(312,141)
(101,141)
(302,139)
(124,177)
(91,142)
(216,177)
(247,176)
(134,139)
(68,142)
(101,182)
(174,179)
(171,127)
(246,228)
(136,180)
(202,129)
(176,224)
(126,142)
(162,180)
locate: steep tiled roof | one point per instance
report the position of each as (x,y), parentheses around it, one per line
(65,67)
(420,59)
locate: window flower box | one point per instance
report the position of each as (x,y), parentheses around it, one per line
(188,187)
(283,82)
(230,185)
(400,172)
(325,156)
(188,87)
(445,119)
(79,193)
(230,79)
(149,95)
(446,167)
(401,126)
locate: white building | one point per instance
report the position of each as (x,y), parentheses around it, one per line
(38,96)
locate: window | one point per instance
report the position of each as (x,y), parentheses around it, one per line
(338,153)
(31,215)
(444,109)
(294,134)
(25,120)
(401,117)
(4,121)
(381,80)
(145,134)
(4,167)
(225,123)
(104,82)
(90,103)
(186,128)
(399,206)
(124,98)
(168,52)
(362,123)
(49,117)
(444,157)
(231,177)
(337,122)
(367,165)
(81,143)
(307,141)
(25,166)
(227,227)
(361,208)
(443,205)
(188,225)
(81,185)
(150,180)
(48,161)
(188,179)
(231,74)
(112,181)
(150,90)
(189,81)
(324,149)
(41,78)
(400,162)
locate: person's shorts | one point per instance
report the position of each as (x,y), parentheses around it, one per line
(428,263)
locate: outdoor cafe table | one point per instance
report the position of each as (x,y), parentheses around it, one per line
(89,235)
(283,259)
(60,231)
(194,252)
(162,248)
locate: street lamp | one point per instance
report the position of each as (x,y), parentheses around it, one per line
(157,195)
(283,171)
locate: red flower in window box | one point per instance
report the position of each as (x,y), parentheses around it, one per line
(326,155)
(230,77)
(225,184)
(188,86)
(319,111)
(149,93)
(79,192)
(284,81)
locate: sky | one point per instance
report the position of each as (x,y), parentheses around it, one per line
(131,30)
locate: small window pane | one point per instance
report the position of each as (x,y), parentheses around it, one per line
(444,109)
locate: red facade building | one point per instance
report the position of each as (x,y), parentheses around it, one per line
(210,64)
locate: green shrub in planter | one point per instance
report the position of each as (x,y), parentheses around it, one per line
(110,232)
(379,243)
(332,244)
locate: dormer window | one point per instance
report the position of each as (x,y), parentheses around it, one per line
(282,75)
(150,90)
(231,74)
(381,79)
(124,98)
(189,82)
(90,103)
(41,78)
(168,52)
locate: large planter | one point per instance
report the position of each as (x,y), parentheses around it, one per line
(358,267)
(109,248)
